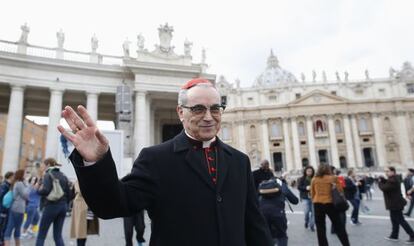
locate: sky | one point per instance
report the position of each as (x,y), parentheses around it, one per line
(306,35)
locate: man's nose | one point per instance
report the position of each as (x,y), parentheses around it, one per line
(207,115)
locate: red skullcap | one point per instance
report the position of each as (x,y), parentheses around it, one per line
(194,82)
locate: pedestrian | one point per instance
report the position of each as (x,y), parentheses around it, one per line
(32,208)
(197,189)
(321,193)
(54,210)
(263,173)
(395,202)
(4,212)
(17,209)
(84,222)
(304,183)
(352,195)
(135,221)
(409,185)
(273,194)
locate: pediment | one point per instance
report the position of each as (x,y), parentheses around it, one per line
(317,97)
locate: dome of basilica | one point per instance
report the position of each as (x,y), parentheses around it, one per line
(274,75)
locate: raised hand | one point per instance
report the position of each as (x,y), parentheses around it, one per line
(85,136)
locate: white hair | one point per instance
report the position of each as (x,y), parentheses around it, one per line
(182,94)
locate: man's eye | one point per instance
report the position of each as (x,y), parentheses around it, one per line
(215,108)
(198,109)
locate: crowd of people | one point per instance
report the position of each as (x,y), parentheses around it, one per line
(315,192)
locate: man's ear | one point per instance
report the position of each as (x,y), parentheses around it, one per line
(180,113)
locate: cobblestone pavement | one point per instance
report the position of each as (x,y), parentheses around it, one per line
(375,226)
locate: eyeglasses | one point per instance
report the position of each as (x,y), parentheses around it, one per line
(199,109)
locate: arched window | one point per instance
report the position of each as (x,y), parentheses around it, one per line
(253,133)
(301,129)
(387,124)
(363,124)
(320,126)
(225,133)
(342,162)
(338,126)
(305,162)
(275,130)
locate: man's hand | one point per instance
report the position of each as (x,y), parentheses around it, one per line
(85,136)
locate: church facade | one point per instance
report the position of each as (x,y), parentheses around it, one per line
(364,124)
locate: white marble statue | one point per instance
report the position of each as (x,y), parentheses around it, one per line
(324,76)
(125,47)
(140,42)
(237,83)
(25,33)
(392,72)
(165,35)
(187,47)
(313,76)
(346,76)
(203,56)
(338,78)
(94,43)
(302,77)
(367,74)
(60,35)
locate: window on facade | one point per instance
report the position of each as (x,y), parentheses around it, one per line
(224,100)
(297,95)
(301,129)
(320,126)
(410,88)
(381,91)
(363,124)
(333,93)
(338,126)
(253,133)
(275,130)
(225,133)
(359,92)
(39,154)
(273,98)
(387,124)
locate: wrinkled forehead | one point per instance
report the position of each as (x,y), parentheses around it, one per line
(203,94)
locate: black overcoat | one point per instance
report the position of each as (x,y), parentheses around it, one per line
(172,183)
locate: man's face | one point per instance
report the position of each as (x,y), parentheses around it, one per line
(265,165)
(389,173)
(203,127)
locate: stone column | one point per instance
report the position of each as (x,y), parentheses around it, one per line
(349,143)
(92,105)
(404,140)
(288,150)
(55,111)
(379,140)
(265,137)
(311,142)
(357,143)
(333,142)
(296,143)
(12,139)
(140,123)
(242,140)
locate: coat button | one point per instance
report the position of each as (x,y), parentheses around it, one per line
(219,198)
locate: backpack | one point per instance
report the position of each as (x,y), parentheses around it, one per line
(57,192)
(8,199)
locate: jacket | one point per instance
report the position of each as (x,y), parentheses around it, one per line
(80,227)
(47,185)
(391,189)
(321,188)
(172,183)
(303,182)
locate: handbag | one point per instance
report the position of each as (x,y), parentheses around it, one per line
(57,192)
(338,199)
(8,199)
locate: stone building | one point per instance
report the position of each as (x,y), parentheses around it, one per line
(365,123)
(33,143)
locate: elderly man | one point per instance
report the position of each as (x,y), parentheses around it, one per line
(196,189)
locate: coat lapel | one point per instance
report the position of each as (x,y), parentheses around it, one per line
(194,158)
(224,160)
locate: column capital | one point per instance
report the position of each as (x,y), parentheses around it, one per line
(141,92)
(18,87)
